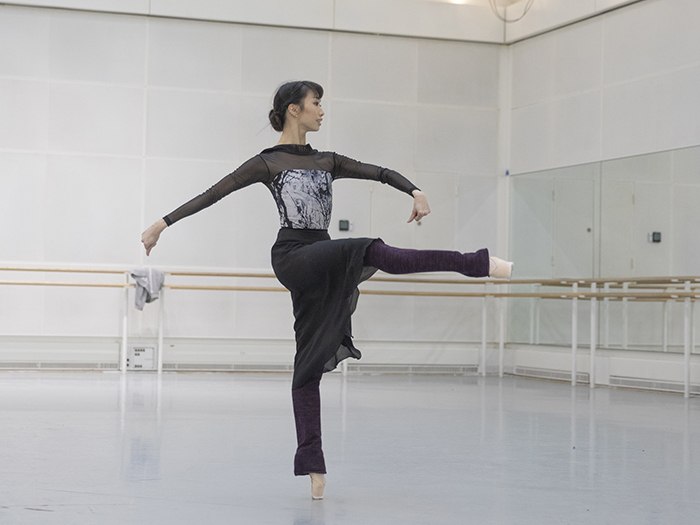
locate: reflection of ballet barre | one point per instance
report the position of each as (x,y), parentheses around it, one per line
(613,290)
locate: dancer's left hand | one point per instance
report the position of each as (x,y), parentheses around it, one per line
(420,206)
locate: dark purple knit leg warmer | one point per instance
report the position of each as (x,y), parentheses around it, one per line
(307,415)
(399,260)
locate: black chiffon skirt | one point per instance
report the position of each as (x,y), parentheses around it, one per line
(322,275)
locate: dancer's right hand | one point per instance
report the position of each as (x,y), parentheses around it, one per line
(150,237)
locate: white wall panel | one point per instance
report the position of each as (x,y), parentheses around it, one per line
(299,13)
(200,313)
(419,18)
(272,56)
(24,107)
(652,214)
(458,73)
(437,230)
(267,315)
(685,245)
(604,5)
(476,213)
(21,308)
(573,228)
(190,124)
(24,42)
(531,226)
(686,165)
(374,68)
(93,207)
(206,239)
(96,119)
(617,229)
(457,140)
(98,47)
(206,113)
(561,133)
(650,37)
(23,186)
(557,64)
(655,167)
(384,318)
(545,14)
(453,319)
(389,215)
(254,132)
(382,134)
(83,312)
(652,114)
(114,6)
(197,55)
(352,201)
(254,225)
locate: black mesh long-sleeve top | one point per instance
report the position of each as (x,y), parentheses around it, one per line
(300,180)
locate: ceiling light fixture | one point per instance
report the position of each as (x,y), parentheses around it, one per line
(506,3)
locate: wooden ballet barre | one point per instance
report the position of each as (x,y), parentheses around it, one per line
(544,282)
(614,283)
(221,274)
(56,283)
(378,279)
(544,295)
(62,270)
(226,288)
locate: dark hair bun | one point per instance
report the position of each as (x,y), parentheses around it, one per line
(276,121)
(290,93)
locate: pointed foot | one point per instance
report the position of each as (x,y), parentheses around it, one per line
(318,484)
(500,269)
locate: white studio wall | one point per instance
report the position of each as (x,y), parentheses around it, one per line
(619,85)
(546,15)
(607,102)
(443,19)
(121,118)
(111,121)
(616,89)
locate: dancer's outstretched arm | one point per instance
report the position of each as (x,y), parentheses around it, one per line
(253,170)
(345,167)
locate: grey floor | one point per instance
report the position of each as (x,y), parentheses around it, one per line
(105,448)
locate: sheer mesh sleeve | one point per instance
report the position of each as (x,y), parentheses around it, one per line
(253,170)
(346,167)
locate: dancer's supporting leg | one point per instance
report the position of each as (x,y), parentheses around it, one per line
(309,456)
(399,261)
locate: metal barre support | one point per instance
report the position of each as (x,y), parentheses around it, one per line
(574,334)
(125,328)
(161,321)
(482,355)
(501,333)
(593,335)
(686,343)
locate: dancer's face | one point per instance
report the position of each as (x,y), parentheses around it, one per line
(310,114)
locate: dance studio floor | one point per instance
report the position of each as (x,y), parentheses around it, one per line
(209,449)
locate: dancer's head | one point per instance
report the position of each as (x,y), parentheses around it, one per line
(300,101)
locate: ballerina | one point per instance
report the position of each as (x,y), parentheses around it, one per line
(322,274)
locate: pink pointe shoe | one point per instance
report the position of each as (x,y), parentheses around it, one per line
(500,269)
(318,483)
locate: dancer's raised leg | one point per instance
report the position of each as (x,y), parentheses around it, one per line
(401,261)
